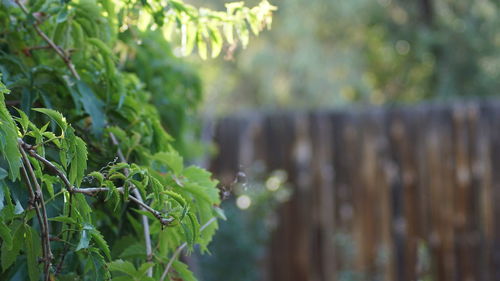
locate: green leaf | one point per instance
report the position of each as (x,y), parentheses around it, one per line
(228,32)
(202,46)
(55,116)
(216,41)
(8,137)
(176,196)
(93,106)
(49,181)
(98,176)
(84,239)
(64,219)
(8,256)
(142,271)
(32,246)
(101,46)
(172,159)
(3,174)
(101,243)
(220,213)
(95,268)
(23,120)
(5,235)
(62,16)
(122,266)
(188,38)
(191,228)
(134,251)
(79,163)
(18,209)
(3,89)
(183,271)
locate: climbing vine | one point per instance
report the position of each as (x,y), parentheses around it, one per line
(94,113)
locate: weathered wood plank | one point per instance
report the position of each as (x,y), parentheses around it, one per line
(380,194)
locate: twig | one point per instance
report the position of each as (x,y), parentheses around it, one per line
(135,191)
(38,199)
(58,50)
(68,237)
(89,191)
(31,151)
(34,203)
(179,250)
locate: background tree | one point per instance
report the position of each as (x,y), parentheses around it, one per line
(371,52)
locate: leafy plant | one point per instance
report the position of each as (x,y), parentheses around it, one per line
(92,186)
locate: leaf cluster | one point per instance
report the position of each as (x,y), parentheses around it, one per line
(92,184)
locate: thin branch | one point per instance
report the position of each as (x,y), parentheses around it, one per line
(31,151)
(38,197)
(60,52)
(179,250)
(89,191)
(34,203)
(135,191)
(92,191)
(68,237)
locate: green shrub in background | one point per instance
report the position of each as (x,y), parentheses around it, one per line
(239,248)
(94,110)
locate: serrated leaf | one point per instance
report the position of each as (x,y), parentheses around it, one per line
(191,228)
(49,183)
(101,243)
(96,266)
(79,163)
(55,116)
(8,256)
(183,271)
(23,120)
(134,251)
(98,176)
(8,137)
(5,235)
(176,196)
(32,247)
(173,160)
(122,266)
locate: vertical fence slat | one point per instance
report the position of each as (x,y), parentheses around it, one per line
(379,194)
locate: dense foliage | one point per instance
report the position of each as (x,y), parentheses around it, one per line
(94,109)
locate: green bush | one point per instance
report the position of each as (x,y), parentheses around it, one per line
(94,110)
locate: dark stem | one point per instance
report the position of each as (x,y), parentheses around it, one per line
(90,191)
(68,236)
(60,52)
(145,221)
(38,199)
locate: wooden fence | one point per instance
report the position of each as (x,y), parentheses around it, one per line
(407,193)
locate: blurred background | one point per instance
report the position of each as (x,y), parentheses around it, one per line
(357,140)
